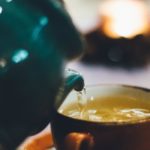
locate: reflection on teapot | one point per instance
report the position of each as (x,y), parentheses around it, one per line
(36,40)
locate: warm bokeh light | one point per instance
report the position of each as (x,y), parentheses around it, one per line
(124,18)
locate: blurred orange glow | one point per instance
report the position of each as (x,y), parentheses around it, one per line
(124,18)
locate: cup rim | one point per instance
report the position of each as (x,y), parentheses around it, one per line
(119,85)
(123,123)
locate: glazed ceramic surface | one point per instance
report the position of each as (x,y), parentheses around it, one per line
(36,40)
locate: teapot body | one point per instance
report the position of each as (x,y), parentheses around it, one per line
(36,40)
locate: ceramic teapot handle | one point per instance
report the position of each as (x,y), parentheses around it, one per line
(73,80)
(79,141)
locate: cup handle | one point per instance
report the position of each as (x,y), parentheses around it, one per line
(79,141)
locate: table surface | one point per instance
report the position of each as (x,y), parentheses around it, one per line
(98,74)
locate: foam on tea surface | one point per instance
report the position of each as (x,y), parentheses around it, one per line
(108,109)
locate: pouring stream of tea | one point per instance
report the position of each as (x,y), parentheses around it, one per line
(82,101)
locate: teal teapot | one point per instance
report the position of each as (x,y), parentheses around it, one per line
(37,38)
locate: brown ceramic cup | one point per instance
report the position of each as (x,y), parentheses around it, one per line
(78,134)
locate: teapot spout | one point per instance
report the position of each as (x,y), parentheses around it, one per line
(73,80)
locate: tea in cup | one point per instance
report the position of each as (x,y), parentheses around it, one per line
(107,117)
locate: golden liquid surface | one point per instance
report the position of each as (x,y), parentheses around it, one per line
(109,109)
